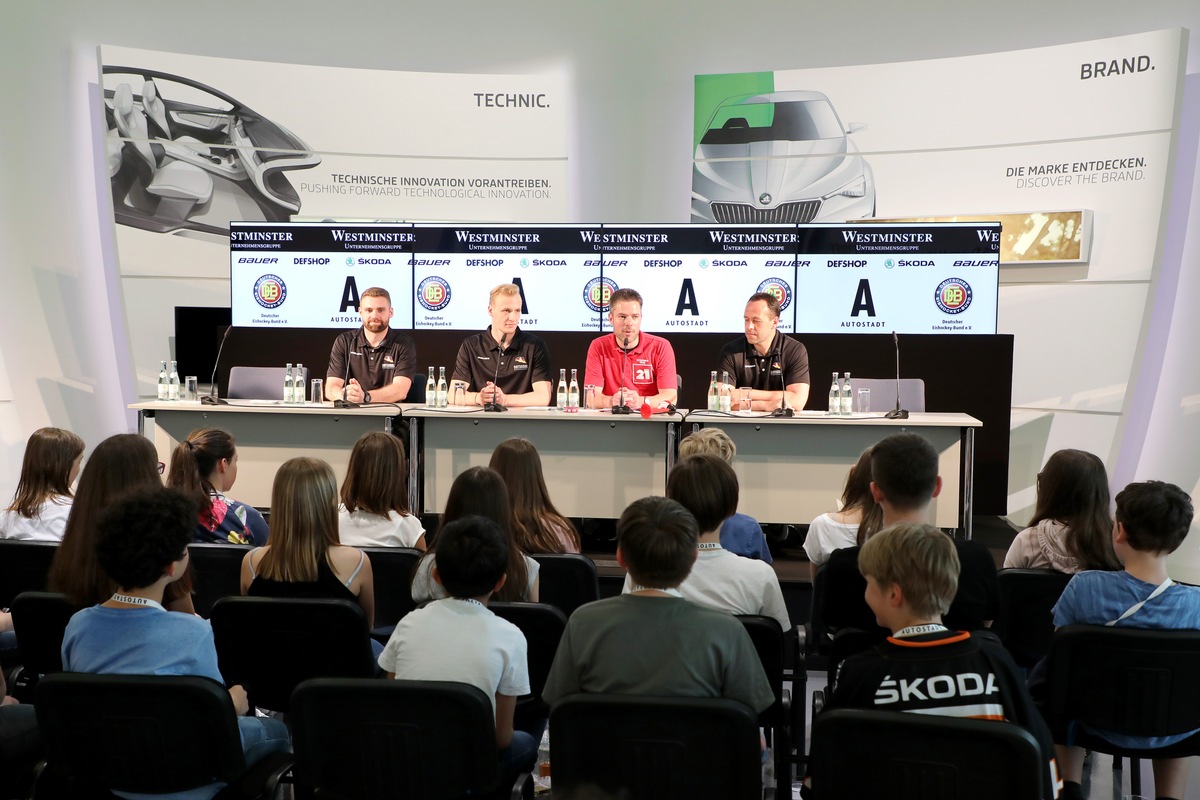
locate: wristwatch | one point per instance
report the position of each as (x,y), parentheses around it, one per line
(366,397)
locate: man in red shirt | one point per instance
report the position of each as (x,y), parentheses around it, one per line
(630,367)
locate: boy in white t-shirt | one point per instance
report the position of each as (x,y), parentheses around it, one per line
(459,639)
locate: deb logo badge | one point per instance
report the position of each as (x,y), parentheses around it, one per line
(433,293)
(596,293)
(778,287)
(270,291)
(953,296)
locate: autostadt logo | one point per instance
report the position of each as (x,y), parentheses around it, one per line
(433,293)
(597,292)
(778,287)
(270,291)
(953,296)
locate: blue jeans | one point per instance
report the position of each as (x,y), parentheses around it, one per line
(518,757)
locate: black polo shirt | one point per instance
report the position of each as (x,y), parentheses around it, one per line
(784,364)
(524,362)
(373,367)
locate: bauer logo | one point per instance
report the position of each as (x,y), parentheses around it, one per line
(596,293)
(953,296)
(270,291)
(433,293)
(778,287)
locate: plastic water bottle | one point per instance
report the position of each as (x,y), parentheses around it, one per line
(289,384)
(847,397)
(714,401)
(440,392)
(560,395)
(162,381)
(726,394)
(573,390)
(835,398)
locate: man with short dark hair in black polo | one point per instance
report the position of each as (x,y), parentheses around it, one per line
(379,361)
(767,361)
(515,374)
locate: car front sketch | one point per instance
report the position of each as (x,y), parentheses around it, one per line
(182,156)
(782,157)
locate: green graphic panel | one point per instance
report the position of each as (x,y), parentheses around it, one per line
(712,89)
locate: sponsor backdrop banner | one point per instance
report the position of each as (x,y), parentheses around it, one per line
(933,278)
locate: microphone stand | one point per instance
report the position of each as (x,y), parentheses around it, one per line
(621,408)
(897,412)
(211,398)
(343,402)
(494,406)
(783,412)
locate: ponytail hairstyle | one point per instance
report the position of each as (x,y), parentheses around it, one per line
(537,527)
(50,456)
(194,461)
(377,476)
(480,491)
(304,521)
(857,495)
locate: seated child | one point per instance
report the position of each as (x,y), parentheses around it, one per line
(912,574)
(458,639)
(652,641)
(1151,522)
(141,543)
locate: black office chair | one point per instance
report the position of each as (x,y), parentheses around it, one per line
(656,747)
(1026,621)
(783,719)
(543,626)
(23,568)
(393,571)
(39,619)
(902,756)
(143,733)
(1132,681)
(566,581)
(271,645)
(418,740)
(216,573)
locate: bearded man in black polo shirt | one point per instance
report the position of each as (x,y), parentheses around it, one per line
(770,363)
(379,362)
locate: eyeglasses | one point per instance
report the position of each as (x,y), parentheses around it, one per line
(161,467)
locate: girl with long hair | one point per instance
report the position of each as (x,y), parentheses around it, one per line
(374,510)
(42,502)
(537,527)
(305,558)
(1071,529)
(119,464)
(480,491)
(205,466)
(857,519)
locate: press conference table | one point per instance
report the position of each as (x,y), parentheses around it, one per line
(595,463)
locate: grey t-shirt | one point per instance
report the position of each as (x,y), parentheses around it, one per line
(657,646)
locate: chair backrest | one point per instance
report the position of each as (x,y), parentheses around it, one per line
(902,756)
(139,733)
(1026,621)
(769,642)
(543,626)
(656,747)
(393,570)
(1136,682)
(883,393)
(216,573)
(567,581)
(393,739)
(271,645)
(40,619)
(259,383)
(23,567)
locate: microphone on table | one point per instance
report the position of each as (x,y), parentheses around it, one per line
(494,406)
(663,408)
(211,398)
(343,402)
(621,408)
(898,412)
(783,412)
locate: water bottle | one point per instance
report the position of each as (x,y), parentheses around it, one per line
(835,398)
(162,381)
(573,390)
(298,384)
(430,390)
(847,397)
(726,394)
(714,400)
(442,399)
(560,396)
(173,383)
(289,384)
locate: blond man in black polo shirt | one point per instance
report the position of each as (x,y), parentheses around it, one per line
(380,362)
(517,374)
